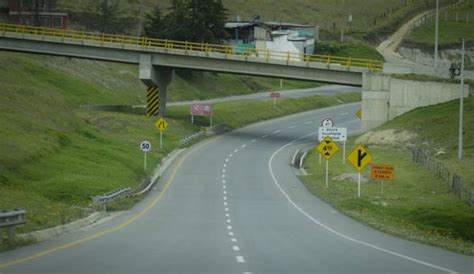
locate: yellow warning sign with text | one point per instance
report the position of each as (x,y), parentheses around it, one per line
(327,148)
(381,172)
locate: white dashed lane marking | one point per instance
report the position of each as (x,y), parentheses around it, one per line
(291,126)
(244,145)
(226,209)
(236,150)
(225,203)
(226,159)
(309,122)
(223,181)
(265,136)
(227,215)
(223,171)
(231,233)
(224,186)
(240,259)
(234,240)
(253,141)
(229,228)
(235,248)
(225,192)
(230,155)
(228,220)
(277,131)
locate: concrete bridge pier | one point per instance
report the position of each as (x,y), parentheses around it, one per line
(158,76)
(375,100)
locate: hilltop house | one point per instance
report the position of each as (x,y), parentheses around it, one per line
(43,13)
(273,36)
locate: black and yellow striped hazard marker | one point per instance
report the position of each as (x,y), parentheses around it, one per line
(153,101)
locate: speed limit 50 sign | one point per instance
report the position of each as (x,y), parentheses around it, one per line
(145,146)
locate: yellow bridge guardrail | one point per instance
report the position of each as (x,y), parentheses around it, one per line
(150,43)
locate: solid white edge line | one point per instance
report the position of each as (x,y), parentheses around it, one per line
(329,228)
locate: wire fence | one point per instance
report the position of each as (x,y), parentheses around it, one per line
(452,180)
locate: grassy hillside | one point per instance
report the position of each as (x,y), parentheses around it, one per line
(377,17)
(416,205)
(55,155)
(450,28)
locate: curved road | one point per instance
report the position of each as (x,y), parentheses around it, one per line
(233,205)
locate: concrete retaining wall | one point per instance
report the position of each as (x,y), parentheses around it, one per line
(384,98)
(407,95)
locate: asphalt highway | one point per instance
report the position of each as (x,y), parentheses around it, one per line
(232,204)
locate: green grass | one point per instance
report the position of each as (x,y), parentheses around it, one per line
(450,31)
(416,205)
(438,125)
(354,49)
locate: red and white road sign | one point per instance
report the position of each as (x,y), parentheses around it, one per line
(274,94)
(201,109)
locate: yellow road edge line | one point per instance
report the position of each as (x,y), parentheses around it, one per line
(118,227)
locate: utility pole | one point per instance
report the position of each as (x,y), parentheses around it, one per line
(461,105)
(436,36)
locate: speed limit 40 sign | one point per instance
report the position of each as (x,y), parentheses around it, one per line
(145,146)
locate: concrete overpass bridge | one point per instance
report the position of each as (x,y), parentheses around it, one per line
(157,58)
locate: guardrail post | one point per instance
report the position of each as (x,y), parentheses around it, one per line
(287,57)
(349,62)
(268,54)
(329,60)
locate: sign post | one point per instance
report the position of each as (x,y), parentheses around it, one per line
(275,96)
(145,146)
(161,124)
(382,172)
(327,148)
(359,158)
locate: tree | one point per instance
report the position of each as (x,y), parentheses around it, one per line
(104,16)
(153,27)
(189,20)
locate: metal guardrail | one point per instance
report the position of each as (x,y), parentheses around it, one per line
(110,196)
(10,218)
(189,138)
(152,43)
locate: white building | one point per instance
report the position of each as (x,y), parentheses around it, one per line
(286,45)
